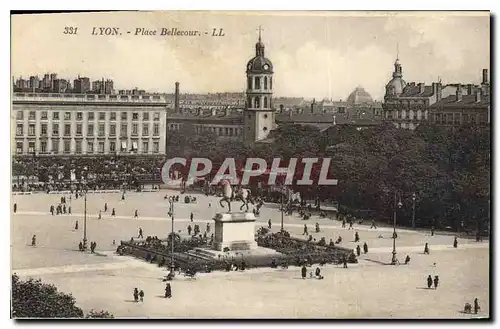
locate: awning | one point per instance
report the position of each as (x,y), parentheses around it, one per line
(134,146)
(124,145)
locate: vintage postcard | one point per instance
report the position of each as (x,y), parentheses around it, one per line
(222,165)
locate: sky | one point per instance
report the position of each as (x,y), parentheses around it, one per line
(314,54)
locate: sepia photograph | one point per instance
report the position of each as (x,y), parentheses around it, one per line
(250,165)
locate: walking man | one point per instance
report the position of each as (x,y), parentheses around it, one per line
(373,224)
(136,295)
(426,248)
(343,222)
(140,233)
(476,306)
(455,242)
(15,208)
(269,225)
(358,250)
(33,241)
(303,271)
(100,216)
(69,210)
(76,225)
(141,295)
(189,229)
(436,281)
(429,282)
(365,247)
(356,237)
(305,230)
(168,291)
(105,207)
(191,216)
(135,214)
(113,213)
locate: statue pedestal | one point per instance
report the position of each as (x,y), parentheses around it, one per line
(235,231)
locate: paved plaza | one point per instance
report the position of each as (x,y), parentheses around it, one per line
(369,289)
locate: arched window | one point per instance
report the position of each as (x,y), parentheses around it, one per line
(249,102)
(265,84)
(249,82)
(257,82)
(257,102)
(265,100)
(271,83)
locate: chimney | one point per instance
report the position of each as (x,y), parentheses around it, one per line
(421,88)
(459,93)
(485,76)
(478,95)
(176,98)
(469,89)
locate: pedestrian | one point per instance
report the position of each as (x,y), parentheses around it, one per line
(52,210)
(305,230)
(168,291)
(344,260)
(476,306)
(33,241)
(356,237)
(64,209)
(140,233)
(358,250)
(141,295)
(191,216)
(318,273)
(76,225)
(100,216)
(136,215)
(114,242)
(304,271)
(189,229)
(432,231)
(365,248)
(455,242)
(407,259)
(343,222)
(105,207)
(80,246)
(373,224)
(136,295)
(426,248)
(15,208)
(429,282)
(123,196)
(436,281)
(269,224)
(69,210)
(350,224)
(208,228)
(113,213)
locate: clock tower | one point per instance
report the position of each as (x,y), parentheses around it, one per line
(259,114)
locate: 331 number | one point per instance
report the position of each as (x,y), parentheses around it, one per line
(70,30)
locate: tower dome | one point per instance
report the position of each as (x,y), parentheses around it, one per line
(396,85)
(359,96)
(259,64)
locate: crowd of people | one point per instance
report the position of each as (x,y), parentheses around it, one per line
(103,172)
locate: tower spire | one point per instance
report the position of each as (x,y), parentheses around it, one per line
(397,50)
(260,30)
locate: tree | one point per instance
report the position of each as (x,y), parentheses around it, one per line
(34,299)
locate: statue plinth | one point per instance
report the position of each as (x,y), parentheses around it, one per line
(235,231)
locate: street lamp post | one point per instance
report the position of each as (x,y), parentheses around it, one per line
(85,221)
(396,206)
(414,197)
(282,191)
(171,213)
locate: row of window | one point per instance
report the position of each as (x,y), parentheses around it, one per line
(90,129)
(254,102)
(257,83)
(458,118)
(220,131)
(113,147)
(405,115)
(90,116)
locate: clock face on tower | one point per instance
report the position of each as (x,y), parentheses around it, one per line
(266,67)
(249,66)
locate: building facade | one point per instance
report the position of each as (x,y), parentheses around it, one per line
(77,124)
